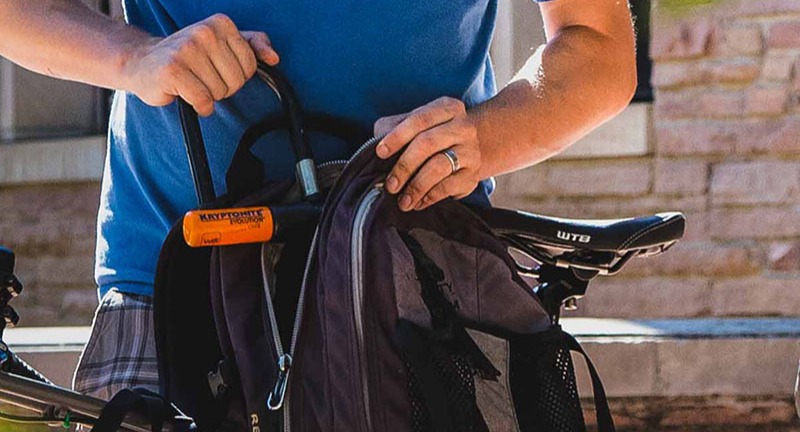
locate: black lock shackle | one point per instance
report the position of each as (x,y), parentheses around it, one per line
(196,149)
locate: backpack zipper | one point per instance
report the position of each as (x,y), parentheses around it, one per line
(360,150)
(277,398)
(356,271)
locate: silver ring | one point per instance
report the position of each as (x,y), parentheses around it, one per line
(451,156)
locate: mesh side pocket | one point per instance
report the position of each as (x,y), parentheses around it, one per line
(543,385)
(420,418)
(441,388)
(458,378)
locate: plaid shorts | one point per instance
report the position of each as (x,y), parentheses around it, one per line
(121,352)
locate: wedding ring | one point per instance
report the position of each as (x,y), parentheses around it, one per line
(451,156)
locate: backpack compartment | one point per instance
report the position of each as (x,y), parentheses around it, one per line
(460,317)
(453,303)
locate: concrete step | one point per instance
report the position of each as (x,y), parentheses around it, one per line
(694,374)
(664,374)
(692,357)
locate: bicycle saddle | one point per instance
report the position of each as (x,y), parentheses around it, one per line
(618,236)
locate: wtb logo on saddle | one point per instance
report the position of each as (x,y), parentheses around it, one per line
(580,238)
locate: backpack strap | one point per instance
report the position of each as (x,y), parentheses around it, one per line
(139,400)
(543,377)
(605,423)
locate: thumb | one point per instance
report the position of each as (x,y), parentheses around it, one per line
(262,47)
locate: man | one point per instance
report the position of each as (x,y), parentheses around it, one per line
(417,69)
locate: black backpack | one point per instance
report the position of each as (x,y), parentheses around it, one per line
(361,317)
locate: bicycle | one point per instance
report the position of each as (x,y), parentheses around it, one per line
(567,254)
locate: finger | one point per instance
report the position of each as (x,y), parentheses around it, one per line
(385,124)
(457,185)
(204,41)
(228,67)
(435,113)
(432,173)
(189,88)
(422,147)
(221,55)
(244,54)
(262,46)
(204,70)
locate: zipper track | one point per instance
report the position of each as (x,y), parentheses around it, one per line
(287,427)
(298,318)
(273,321)
(360,150)
(356,271)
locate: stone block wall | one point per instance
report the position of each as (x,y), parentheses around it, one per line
(51,228)
(724,149)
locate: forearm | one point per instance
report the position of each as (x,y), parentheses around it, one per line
(581,79)
(66,39)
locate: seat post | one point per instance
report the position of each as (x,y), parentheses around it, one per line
(558,286)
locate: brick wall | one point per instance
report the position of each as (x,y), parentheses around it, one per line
(51,228)
(724,149)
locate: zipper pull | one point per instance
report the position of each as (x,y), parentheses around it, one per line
(275,400)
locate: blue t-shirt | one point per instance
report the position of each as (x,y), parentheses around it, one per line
(357,59)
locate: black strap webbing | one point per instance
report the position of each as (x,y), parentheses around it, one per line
(605,423)
(151,405)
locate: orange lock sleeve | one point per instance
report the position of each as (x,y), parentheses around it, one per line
(228,226)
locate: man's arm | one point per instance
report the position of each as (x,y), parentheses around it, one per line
(585,75)
(205,62)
